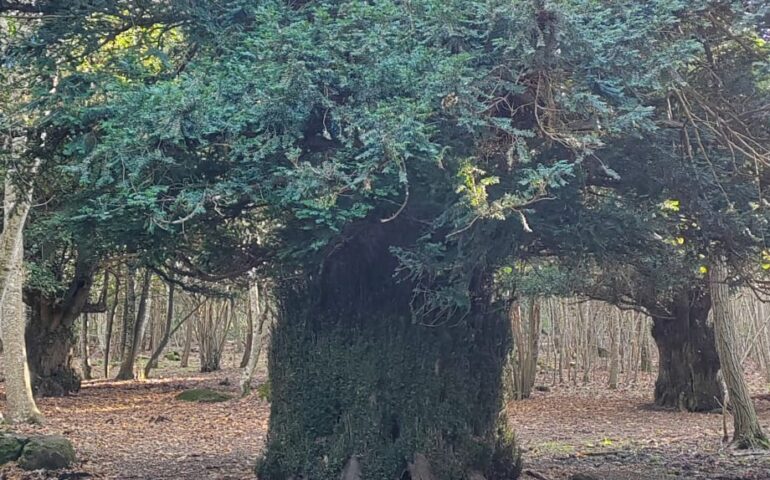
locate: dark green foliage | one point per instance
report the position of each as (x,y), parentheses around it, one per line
(203,395)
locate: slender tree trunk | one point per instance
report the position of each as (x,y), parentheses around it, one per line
(260,335)
(211,332)
(587,349)
(126,371)
(614,347)
(108,328)
(247,344)
(534,345)
(129,309)
(185,360)
(16,209)
(85,366)
(152,363)
(518,352)
(748,432)
(20,405)
(645,362)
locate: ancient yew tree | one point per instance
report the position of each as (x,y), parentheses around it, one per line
(382,163)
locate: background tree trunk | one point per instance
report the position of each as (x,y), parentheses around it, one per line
(247,344)
(748,433)
(259,335)
(615,318)
(152,362)
(185,360)
(211,329)
(526,341)
(108,327)
(129,309)
(85,366)
(126,371)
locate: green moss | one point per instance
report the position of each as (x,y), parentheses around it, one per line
(384,393)
(47,452)
(553,448)
(263,391)
(10,447)
(203,395)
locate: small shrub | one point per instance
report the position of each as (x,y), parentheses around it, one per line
(263,391)
(172,356)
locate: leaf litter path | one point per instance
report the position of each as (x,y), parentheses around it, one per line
(138,430)
(618,435)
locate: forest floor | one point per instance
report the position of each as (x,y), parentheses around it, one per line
(620,435)
(138,430)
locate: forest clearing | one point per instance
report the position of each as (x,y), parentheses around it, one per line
(385,239)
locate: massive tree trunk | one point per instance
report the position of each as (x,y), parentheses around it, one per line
(689,363)
(136,333)
(356,381)
(748,432)
(49,345)
(20,405)
(50,336)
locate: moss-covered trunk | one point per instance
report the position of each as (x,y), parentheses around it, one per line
(50,336)
(49,351)
(353,376)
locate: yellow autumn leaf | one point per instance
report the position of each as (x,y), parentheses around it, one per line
(671,205)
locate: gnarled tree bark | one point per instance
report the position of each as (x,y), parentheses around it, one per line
(353,375)
(50,335)
(688,363)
